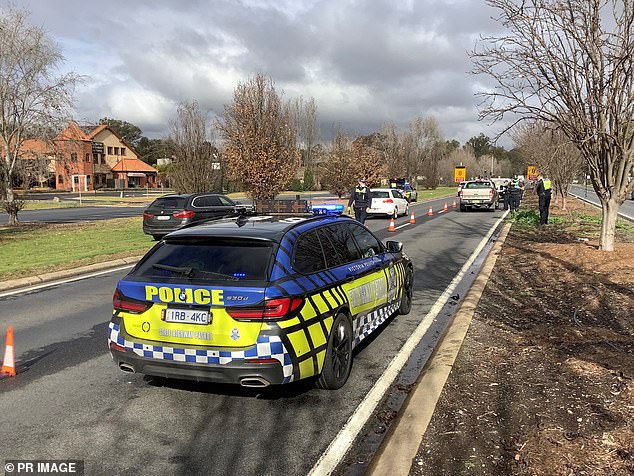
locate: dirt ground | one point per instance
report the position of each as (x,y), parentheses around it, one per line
(543,384)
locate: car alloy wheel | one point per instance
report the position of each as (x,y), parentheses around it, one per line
(338,360)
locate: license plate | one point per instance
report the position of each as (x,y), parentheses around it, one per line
(186,316)
(163,217)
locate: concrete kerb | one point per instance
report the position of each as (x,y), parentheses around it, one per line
(397,453)
(66,273)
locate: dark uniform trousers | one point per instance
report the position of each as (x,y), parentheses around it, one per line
(544,204)
(360,214)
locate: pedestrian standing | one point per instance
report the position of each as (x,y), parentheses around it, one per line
(515,195)
(544,190)
(507,196)
(360,197)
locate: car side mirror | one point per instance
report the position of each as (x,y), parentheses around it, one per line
(237,202)
(394,246)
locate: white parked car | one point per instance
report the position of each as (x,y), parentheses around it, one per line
(388,202)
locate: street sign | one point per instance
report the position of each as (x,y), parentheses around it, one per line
(460,173)
(532,172)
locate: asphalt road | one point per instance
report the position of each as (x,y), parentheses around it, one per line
(587,193)
(85,213)
(74,215)
(70,401)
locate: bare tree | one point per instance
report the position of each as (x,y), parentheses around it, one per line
(303,117)
(259,138)
(569,63)
(32,97)
(423,147)
(553,154)
(392,151)
(197,164)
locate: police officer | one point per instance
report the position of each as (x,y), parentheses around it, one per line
(515,195)
(360,196)
(544,190)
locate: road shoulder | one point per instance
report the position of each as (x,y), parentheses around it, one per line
(400,447)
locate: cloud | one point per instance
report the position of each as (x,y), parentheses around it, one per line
(364,61)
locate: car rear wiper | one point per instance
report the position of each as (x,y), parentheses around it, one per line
(190,272)
(185,271)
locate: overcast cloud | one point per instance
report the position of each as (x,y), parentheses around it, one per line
(364,62)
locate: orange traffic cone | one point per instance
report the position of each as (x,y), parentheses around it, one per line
(8,364)
(412,220)
(391,228)
(430,212)
(453,205)
(445,208)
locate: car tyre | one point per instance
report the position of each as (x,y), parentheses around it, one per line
(406,210)
(408,290)
(338,360)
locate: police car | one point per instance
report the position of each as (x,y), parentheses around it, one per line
(258,300)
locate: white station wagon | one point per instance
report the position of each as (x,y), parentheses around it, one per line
(388,202)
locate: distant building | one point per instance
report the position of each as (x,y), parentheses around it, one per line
(91,157)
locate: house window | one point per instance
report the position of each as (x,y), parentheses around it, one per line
(122,150)
(88,179)
(116,151)
(60,179)
(87,157)
(73,157)
(109,150)
(95,158)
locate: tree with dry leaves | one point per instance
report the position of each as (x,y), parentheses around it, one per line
(552,152)
(197,162)
(260,139)
(569,63)
(33,98)
(337,169)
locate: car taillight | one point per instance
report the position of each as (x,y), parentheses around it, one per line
(271,309)
(184,214)
(491,193)
(389,200)
(126,304)
(147,215)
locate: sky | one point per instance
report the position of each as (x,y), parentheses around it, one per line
(364,62)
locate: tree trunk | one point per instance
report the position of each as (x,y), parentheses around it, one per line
(10,205)
(563,200)
(608,226)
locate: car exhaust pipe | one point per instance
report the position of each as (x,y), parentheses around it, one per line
(127,368)
(254,382)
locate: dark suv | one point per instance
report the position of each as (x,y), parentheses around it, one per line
(258,300)
(171,212)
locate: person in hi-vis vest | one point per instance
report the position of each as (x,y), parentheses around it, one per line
(361,199)
(544,190)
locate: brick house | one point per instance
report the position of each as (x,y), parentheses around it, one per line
(92,157)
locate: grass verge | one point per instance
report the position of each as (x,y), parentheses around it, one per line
(34,249)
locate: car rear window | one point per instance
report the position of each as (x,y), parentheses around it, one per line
(478,185)
(169,202)
(380,194)
(208,261)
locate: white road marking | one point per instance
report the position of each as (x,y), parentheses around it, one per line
(401,226)
(63,281)
(346,436)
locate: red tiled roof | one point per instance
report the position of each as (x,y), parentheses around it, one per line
(133,165)
(72,132)
(35,146)
(97,130)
